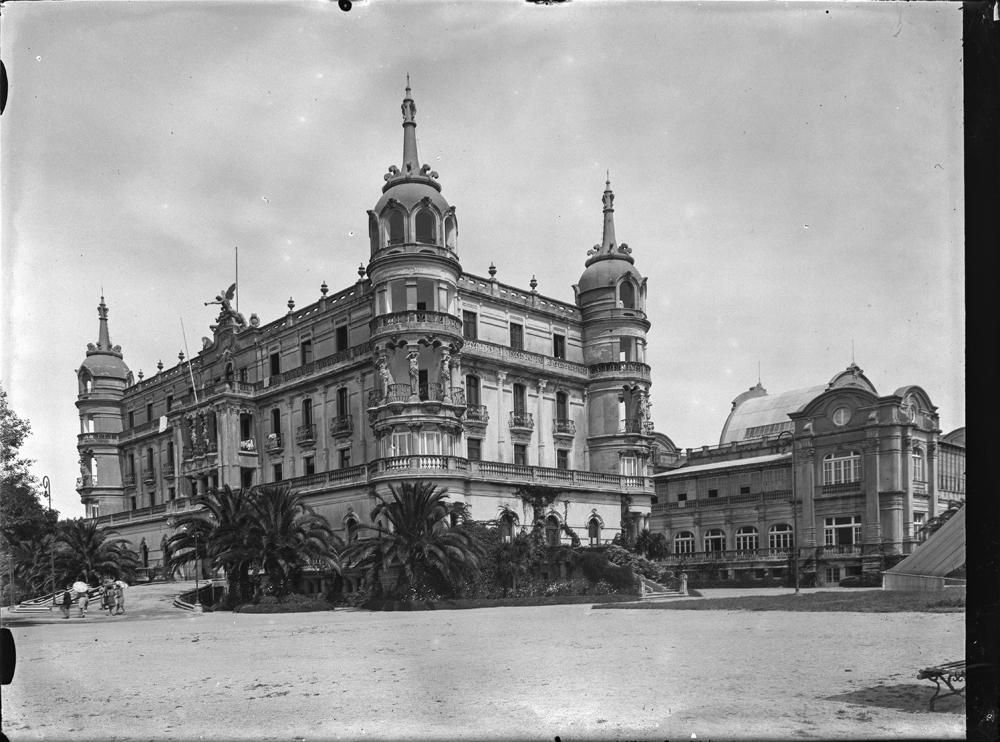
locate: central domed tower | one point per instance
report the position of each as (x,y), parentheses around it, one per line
(416,333)
(611,295)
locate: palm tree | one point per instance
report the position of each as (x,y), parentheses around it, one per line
(222,533)
(30,558)
(426,541)
(85,548)
(287,535)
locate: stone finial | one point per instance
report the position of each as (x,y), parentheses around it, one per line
(323,289)
(361,271)
(180,356)
(493,272)
(291,304)
(140,374)
(533,283)
(159,366)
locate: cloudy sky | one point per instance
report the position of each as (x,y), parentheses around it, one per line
(789,177)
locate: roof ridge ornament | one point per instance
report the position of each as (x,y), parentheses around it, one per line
(609,247)
(411,168)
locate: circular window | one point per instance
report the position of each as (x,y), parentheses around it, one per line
(841,416)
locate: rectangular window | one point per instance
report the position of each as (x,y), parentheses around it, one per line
(308,465)
(843,533)
(278,474)
(744,490)
(470,327)
(713,493)
(562,458)
(172,493)
(342,402)
(520,454)
(345,458)
(341,339)
(682,497)
(629,466)
(246,478)
(170,402)
(307,412)
(306,352)
(472,390)
(133,502)
(400,444)
(275,364)
(276,421)
(149,412)
(131,418)
(422,388)
(244,376)
(429,443)
(475,449)
(152,498)
(516,336)
(559,346)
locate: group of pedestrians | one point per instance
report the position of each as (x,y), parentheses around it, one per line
(111,595)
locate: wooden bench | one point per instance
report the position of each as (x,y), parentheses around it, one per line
(946,675)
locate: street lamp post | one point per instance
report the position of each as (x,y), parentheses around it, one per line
(795,511)
(47,486)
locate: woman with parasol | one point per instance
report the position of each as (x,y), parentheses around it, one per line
(82,589)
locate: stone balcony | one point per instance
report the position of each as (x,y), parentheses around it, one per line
(563,429)
(305,435)
(619,369)
(273,443)
(86,439)
(416,320)
(342,427)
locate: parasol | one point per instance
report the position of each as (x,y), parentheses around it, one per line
(80,586)
(121,583)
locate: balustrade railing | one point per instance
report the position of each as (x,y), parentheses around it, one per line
(731,555)
(398,393)
(522,420)
(634,425)
(415,317)
(515,355)
(97,437)
(273,442)
(624,368)
(248,446)
(128,481)
(830,489)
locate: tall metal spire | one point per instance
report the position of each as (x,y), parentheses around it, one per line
(608,244)
(411,164)
(103,336)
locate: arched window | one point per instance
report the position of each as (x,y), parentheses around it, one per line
(626,294)
(919,472)
(425,224)
(395,223)
(352,529)
(684,543)
(842,468)
(552,531)
(472,391)
(715,540)
(373,232)
(86,383)
(562,406)
(780,536)
(508,523)
(450,232)
(746,539)
(594,531)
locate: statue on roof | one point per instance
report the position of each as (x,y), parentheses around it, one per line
(227,315)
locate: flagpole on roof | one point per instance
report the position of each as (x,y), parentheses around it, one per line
(194,387)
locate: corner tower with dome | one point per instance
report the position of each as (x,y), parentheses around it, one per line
(418,371)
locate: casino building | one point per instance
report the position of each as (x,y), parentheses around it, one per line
(417,371)
(846,474)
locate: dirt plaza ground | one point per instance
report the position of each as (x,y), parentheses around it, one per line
(496,673)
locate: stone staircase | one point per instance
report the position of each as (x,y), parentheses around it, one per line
(652,591)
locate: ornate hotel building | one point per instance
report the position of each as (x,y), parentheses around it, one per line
(846,474)
(417,371)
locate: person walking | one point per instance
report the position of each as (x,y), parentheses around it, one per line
(67,601)
(119,598)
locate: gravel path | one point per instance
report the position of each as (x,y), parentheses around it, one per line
(524,673)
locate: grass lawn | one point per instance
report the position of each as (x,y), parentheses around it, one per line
(862,601)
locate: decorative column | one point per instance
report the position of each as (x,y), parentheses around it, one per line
(872,527)
(906,449)
(932,477)
(322,432)
(541,433)
(809,499)
(501,419)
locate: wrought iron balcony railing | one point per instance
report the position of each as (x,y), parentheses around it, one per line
(523,420)
(273,443)
(477,413)
(562,426)
(305,434)
(343,425)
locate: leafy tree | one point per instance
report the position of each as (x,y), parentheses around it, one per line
(221,533)
(426,545)
(287,534)
(84,548)
(26,527)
